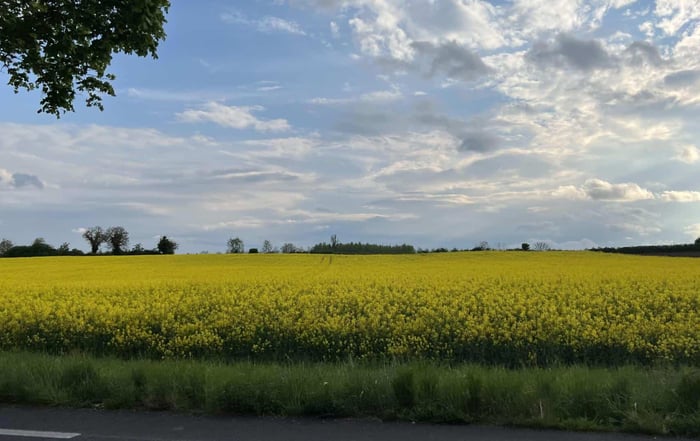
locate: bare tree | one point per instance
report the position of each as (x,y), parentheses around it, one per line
(334,241)
(289,248)
(542,246)
(483,246)
(267,247)
(95,236)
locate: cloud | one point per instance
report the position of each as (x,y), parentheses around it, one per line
(26,180)
(370,97)
(598,189)
(693,230)
(478,141)
(265,24)
(675,14)
(452,59)
(534,17)
(379,32)
(680,196)
(690,155)
(233,117)
(641,52)
(19,180)
(682,78)
(335,29)
(641,230)
(568,50)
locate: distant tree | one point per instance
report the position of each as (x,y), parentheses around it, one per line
(542,246)
(38,248)
(117,239)
(483,246)
(334,241)
(253,251)
(267,247)
(95,236)
(138,249)
(5,245)
(697,242)
(64,249)
(525,246)
(289,248)
(235,246)
(166,246)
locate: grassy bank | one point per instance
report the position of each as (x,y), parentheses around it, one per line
(638,399)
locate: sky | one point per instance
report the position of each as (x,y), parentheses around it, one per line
(439,123)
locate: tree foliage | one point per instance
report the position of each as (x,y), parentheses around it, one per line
(5,245)
(235,246)
(166,246)
(360,248)
(65,46)
(95,236)
(39,248)
(117,239)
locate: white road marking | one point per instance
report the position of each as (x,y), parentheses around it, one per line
(38,434)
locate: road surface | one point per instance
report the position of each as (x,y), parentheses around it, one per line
(27,424)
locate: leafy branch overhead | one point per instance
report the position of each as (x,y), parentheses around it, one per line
(64,47)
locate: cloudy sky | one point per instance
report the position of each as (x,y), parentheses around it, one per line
(432,122)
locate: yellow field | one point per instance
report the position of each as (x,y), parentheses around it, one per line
(503,307)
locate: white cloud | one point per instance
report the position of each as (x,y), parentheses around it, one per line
(641,230)
(648,28)
(598,189)
(569,192)
(690,155)
(335,29)
(234,117)
(680,196)
(693,230)
(264,24)
(370,97)
(675,14)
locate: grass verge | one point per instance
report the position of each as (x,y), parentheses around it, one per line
(656,400)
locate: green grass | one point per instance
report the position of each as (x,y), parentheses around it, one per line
(657,400)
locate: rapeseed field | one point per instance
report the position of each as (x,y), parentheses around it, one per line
(510,308)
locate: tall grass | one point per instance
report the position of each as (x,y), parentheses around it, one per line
(658,400)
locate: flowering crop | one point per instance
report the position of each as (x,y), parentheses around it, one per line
(511,308)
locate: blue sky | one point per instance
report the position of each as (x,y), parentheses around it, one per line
(436,123)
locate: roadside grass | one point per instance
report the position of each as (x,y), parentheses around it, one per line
(661,400)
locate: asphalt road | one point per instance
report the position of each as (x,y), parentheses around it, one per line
(26,424)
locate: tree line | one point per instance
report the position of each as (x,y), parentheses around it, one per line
(688,249)
(116,239)
(235,245)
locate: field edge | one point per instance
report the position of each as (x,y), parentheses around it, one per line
(661,400)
